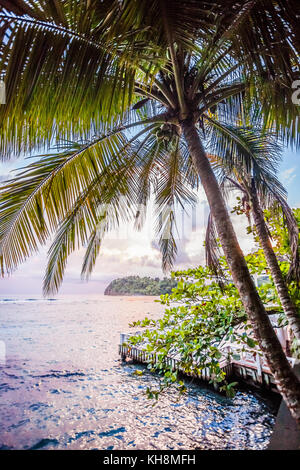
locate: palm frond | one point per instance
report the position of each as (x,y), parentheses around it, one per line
(91,254)
(167,242)
(246,156)
(267,31)
(212,249)
(81,79)
(107,201)
(72,233)
(245,148)
(170,188)
(37,199)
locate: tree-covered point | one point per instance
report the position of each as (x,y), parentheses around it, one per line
(136,285)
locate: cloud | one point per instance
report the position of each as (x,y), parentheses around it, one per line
(287,176)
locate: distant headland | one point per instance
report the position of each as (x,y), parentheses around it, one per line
(136,285)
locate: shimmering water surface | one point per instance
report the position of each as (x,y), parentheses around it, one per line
(63,386)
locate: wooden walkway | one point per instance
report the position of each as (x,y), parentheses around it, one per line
(250,367)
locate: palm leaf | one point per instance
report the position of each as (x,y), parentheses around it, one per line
(108,200)
(170,188)
(33,203)
(251,156)
(212,250)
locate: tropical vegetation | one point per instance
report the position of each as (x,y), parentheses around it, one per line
(202,317)
(260,188)
(136,285)
(131,94)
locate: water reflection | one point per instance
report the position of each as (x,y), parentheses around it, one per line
(64,386)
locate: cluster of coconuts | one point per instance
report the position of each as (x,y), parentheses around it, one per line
(166,132)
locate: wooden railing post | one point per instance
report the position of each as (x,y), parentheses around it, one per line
(259,368)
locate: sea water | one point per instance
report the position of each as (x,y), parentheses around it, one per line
(63,385)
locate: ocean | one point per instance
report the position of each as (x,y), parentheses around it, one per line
(64,386)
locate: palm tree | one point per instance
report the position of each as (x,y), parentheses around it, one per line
(73,69)
(251,169)
(289,307)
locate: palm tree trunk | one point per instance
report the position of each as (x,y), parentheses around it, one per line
(286,381)
(283,293)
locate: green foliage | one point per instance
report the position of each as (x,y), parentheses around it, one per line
(280,238)
(136,285)
(257,264)
(280,235)
(201,315)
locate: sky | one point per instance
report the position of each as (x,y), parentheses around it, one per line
(136,253)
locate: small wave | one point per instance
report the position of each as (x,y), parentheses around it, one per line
(38,406)
(112,432)
(5,387)
(78,435)
(30,299)
(44,443)
(12,376)
(59,374)
(19,424)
